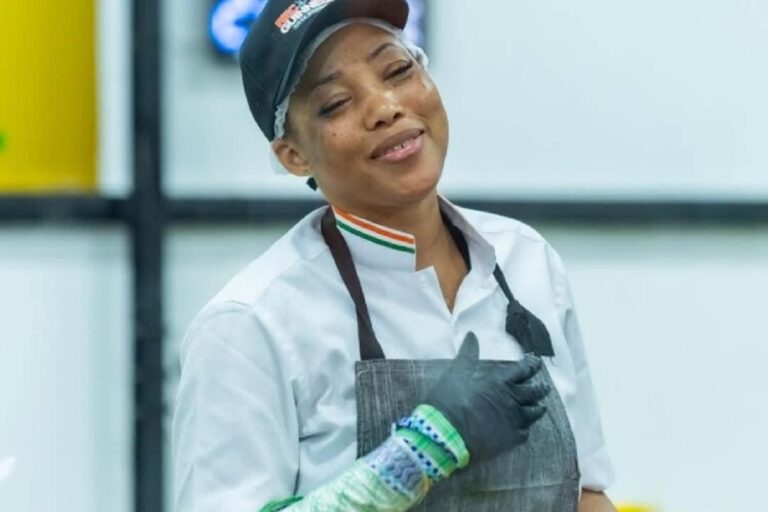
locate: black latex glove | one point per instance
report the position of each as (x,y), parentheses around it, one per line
(491,407)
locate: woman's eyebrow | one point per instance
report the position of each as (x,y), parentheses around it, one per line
(375,53)
(326,79)
(336,74)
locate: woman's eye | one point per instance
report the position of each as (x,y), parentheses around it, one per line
(401,70)
(331,108)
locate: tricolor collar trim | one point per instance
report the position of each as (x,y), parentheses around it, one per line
(376,233)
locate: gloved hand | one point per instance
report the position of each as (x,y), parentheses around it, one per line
(491,410)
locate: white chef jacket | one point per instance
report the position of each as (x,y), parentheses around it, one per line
(266,402)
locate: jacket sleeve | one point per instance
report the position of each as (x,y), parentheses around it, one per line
(595,464)
(235,430)
(423,449)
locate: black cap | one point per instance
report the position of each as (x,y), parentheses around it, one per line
(284,28)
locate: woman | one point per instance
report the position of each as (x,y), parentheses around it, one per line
(325,376)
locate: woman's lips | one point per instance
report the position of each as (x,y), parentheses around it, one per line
(404,150)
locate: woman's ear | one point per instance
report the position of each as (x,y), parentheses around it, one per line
(291,157)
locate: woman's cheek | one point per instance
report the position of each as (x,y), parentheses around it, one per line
(426,85)
(341,143)
(330,137)
(426,98)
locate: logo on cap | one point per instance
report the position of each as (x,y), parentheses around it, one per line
(299,12)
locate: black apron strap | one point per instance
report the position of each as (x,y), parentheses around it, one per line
(369,345)
(522,324)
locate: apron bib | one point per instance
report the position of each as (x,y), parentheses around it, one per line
(540,475)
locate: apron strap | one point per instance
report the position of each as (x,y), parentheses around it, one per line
(522,324)
(499,275)
(369,345)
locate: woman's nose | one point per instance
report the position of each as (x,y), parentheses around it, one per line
(384,109)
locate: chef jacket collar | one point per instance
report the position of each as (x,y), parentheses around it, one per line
(379,246)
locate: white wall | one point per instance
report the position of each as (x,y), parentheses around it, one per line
(65,363)
(115,104)
(662,98)
(616,99)
(674,319)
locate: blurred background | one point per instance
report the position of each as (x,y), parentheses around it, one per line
(134,184)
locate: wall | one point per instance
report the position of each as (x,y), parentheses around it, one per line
(48,133)
(65,363)
(663,98)
(674,322)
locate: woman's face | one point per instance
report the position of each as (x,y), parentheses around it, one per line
(367,122)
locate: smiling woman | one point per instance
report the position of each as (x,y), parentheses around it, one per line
(342,369)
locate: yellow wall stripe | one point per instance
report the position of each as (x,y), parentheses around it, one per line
(48,140)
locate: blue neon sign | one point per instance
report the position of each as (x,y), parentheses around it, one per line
(230,20)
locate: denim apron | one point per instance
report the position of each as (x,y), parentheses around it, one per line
(540,475)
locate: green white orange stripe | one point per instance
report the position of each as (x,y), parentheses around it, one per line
(376,233)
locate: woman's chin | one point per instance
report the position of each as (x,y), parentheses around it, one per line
(418,186)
